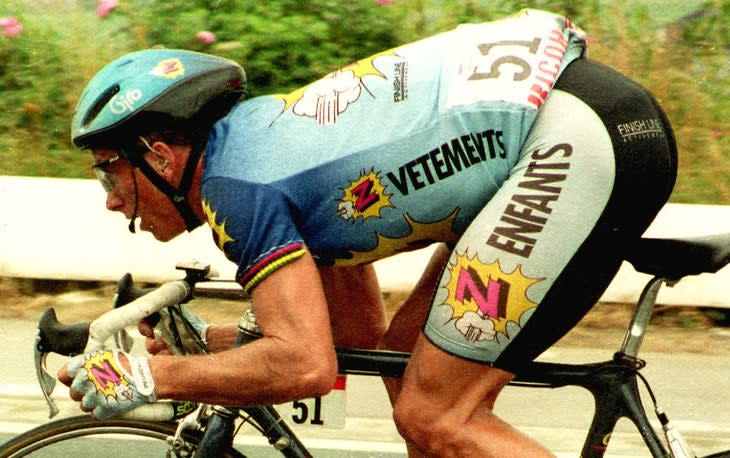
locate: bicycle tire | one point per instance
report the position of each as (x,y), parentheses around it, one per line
(102,436)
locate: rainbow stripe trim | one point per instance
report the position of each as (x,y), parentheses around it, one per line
(270,264)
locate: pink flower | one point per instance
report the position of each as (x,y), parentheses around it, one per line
(205,36)
(6,22)
(383,2)
(11,26)
(104,7)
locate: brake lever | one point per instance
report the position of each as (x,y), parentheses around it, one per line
(71,340)
(55,337)
(46,381)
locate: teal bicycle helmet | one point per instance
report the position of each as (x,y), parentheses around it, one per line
(152,90)
(178,84)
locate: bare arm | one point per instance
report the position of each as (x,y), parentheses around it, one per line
(219,337)
(294,359)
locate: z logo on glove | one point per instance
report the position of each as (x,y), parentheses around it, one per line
(107,376)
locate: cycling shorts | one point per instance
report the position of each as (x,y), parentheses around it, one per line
(598,164)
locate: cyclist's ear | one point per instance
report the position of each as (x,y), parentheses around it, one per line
(163,157)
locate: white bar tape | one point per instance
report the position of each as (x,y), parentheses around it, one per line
(115,320)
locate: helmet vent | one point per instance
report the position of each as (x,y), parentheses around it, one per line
(100,104)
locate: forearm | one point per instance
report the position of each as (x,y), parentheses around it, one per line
(221,337)
(266,371)
(294,359)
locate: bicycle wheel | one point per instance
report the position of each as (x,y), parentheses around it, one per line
(85,436)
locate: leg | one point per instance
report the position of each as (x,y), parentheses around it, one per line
(494,284)
(532,263)
(408,321)
(453,400)
(355,305)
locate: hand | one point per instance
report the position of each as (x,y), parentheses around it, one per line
(154,344)
(189,330)
(102,382)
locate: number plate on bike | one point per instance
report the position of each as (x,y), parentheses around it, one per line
(325,411)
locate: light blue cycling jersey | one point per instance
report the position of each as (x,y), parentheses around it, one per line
(388,154)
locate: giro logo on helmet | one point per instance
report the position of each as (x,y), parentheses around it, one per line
(121,103)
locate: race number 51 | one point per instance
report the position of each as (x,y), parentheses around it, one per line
(324,411)
(494,71)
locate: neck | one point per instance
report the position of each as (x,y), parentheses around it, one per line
(194,195)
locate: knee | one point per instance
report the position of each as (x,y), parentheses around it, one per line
(430,431)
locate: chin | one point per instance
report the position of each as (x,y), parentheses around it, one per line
(166,237)
(163,234)
(162,229)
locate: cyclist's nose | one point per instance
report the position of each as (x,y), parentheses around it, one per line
(113,202)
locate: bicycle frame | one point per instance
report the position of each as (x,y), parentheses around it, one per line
(613,384)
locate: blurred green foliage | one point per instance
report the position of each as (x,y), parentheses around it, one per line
(284,44)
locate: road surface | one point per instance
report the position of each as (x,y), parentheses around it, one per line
(693,389)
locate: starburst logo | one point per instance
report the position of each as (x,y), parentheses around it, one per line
(105,373)
(364,198)
(220,235)
(327,98)
(420,235)
(169,68)
(484,299)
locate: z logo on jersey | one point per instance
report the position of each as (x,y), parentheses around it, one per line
(365,195)
(364,198)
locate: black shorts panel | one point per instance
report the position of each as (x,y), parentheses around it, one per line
(646,163)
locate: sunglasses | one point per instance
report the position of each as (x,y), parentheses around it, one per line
(102,173)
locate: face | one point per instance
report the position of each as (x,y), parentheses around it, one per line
(156,212)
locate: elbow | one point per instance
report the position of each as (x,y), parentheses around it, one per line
(317,376)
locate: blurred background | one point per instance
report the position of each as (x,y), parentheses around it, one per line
(49,49)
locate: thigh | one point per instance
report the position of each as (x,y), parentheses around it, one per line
(645,170)
(512,252)
(545,247)
(357,314)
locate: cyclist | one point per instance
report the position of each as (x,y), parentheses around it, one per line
(532,166)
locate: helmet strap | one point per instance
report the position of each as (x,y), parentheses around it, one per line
(132,225)
(178,195)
